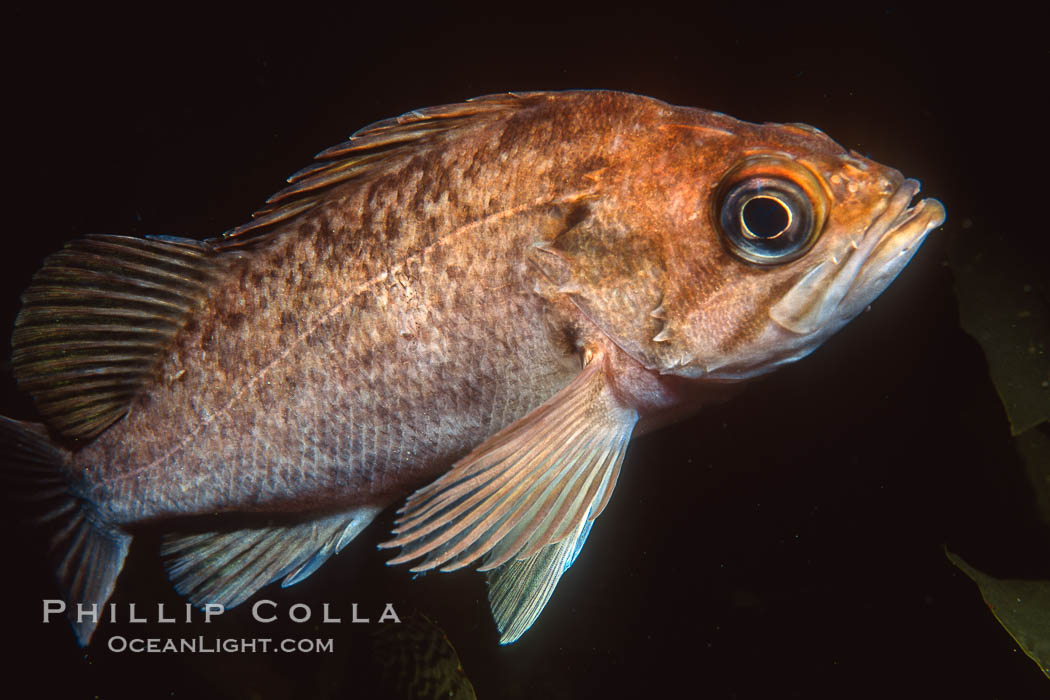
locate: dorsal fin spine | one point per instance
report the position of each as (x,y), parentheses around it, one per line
(376,148)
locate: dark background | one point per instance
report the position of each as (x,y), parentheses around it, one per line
(790,543)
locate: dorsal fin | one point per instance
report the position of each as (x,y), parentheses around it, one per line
(97,319)
(375,148)
(99,315)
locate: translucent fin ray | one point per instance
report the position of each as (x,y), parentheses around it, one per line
(227,568)
(519,590)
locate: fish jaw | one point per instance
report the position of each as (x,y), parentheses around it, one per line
(834,290)
(838,288)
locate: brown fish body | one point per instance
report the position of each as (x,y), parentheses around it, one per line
(383,336)
(495,295)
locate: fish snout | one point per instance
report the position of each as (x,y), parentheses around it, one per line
(836,289)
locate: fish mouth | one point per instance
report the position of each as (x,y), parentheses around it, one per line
(840,287)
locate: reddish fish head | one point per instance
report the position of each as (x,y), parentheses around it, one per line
(750,244)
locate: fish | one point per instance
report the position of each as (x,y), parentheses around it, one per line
(469,309)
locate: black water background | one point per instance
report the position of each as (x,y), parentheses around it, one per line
(790,542)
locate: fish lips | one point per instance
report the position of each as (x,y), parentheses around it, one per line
(836,289)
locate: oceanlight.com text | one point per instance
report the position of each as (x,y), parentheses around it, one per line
(218,645)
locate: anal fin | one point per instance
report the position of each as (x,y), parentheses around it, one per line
(228,567)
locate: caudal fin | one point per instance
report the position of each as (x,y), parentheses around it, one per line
(87,553)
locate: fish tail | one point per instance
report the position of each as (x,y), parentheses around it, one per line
(87,552)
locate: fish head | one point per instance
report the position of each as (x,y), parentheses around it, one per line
(742,246)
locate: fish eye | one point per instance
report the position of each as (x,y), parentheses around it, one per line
(769,210)
(767,220)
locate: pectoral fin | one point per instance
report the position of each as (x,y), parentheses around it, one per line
(526,496)
(519,590)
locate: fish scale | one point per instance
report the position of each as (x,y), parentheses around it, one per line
(475,306)
(311,409)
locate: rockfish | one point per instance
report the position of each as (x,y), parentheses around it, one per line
(474,306)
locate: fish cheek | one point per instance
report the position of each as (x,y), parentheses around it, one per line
(715,303)
(768,289)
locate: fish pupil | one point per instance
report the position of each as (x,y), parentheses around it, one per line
(765,217)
